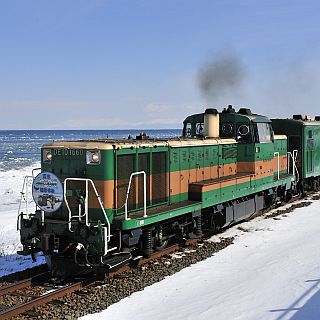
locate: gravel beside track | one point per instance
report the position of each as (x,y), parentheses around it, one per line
(281,212)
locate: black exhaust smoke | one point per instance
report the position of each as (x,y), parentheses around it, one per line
(220,78)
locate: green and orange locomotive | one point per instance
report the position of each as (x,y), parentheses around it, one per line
(105,202)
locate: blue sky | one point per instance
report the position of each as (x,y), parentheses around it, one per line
(135,64)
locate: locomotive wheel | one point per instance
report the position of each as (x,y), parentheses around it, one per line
(48,262)
(162,245)
(159,242)
(288,196)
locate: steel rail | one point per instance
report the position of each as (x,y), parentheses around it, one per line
(155,255)
(22,284)
(41,300)
(15,286)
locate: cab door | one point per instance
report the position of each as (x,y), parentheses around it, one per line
(175,186)
(207,162)
(199,164)
(214,162)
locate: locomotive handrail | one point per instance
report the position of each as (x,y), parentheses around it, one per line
(86,211)
(278,156)
(293,156)
(144,194)
(33,170)
(24,196)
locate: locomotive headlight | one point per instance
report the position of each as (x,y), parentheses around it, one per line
(93,157)
(47,155)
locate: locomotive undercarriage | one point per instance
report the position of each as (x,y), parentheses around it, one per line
(207,221)
(309,184)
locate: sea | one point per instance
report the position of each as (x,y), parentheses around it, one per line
(20,154)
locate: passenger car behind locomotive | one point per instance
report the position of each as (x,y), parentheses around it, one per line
(303,136)
(127,197)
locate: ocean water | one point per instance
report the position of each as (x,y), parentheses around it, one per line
(20,154)
(19,149)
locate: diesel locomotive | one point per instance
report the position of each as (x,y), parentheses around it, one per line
(105,202)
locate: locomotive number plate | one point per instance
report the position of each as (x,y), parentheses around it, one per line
(68,152)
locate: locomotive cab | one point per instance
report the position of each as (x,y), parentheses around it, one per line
(242,126)
(255,140)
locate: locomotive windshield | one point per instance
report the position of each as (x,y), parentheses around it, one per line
(263,133)
(193,129)
(239,131)
(243,134)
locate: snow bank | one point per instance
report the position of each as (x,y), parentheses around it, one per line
(272,271)
(10,188)
(9,244)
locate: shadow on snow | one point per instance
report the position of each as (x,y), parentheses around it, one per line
(310,310)
(13,263)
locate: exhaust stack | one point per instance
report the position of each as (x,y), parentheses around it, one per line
(211,123)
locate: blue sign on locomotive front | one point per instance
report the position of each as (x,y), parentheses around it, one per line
(47,191)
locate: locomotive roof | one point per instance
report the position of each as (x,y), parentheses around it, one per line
(128,143)
(299,122)
(199,117)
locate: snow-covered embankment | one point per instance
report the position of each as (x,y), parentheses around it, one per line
(272,271)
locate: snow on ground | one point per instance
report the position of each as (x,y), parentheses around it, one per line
(9,244)
(10,188)
(272,271)
(11,182)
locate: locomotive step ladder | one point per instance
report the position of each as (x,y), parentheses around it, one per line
(116,260)
(85,216)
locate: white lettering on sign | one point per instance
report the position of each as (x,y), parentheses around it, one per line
(68,152)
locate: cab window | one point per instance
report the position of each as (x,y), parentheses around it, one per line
(188,130)
(227,129)
(263,133)
(243,133)
(199,129)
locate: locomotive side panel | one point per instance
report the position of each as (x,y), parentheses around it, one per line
(151,159)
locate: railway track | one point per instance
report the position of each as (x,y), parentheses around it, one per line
(49,293)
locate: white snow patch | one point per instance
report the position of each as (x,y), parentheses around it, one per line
(10,187)
(215,238)
(189,251)
(11,182)
(9,244)
(180,254)
(270,272)
(177,255)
